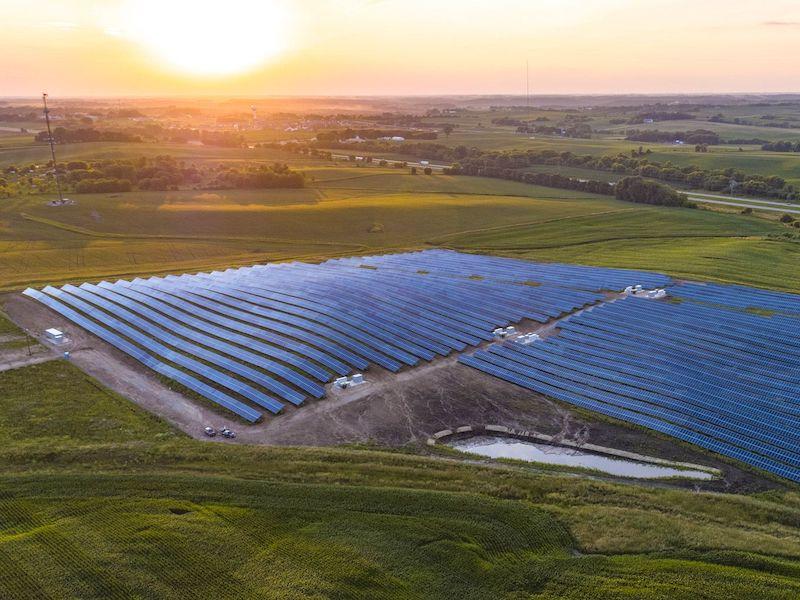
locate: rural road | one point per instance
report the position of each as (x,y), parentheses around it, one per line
(743,203)
(741,199)
(28,360)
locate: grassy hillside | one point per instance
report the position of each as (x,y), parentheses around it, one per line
(693,244)
(349,210)
(101,500)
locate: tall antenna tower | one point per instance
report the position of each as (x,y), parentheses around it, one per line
(52,147)
(527,85)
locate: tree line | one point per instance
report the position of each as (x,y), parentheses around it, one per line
(62,135)
(783,146)
(162,173)
(695,136)
(474,160)
(140,133)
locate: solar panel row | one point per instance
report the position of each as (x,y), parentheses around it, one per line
(273,334)
(505,269)
(220,398)
(738,296)
(722,379)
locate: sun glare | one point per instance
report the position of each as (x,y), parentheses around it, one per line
(208,38)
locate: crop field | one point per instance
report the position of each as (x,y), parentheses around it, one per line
(686,243)
(351,210)
(83,516)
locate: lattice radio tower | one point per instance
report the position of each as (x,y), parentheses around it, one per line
(52,147)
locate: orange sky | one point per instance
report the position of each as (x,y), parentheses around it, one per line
(280,47)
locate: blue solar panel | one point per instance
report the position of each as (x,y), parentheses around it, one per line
(208,392)
(723,379)
(705,370)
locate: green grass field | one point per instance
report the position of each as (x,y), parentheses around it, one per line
(692,244)
(124,235)
(139,233)
(101,500)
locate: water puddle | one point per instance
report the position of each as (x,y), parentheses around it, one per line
(503,447)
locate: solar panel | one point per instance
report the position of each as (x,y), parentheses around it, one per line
(708,370)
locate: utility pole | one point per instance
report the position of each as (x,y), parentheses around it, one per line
(52,147)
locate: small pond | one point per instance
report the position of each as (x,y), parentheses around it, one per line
(503,447)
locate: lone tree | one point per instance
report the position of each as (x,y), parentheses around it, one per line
(448,129)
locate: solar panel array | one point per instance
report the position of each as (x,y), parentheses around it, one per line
(257,338)
(448,262)
(737,296)
(707,371)
(723,379)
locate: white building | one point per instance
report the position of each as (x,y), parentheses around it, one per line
(54,335)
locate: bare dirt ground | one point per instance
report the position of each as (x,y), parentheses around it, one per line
(391,409)
(18,350)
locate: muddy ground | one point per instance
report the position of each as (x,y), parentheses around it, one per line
(390,409)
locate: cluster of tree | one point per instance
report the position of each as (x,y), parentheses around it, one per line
(637,189)
(10,115)
(745,141)
(695,136)
(574,128)
(580,131)
(224,139)
(720,118)
(512,122)
(144,132)
(781,146)
(158,174)
(424,150)
(661,115)
(635,164)
(124,113)
(405,121)
(161,173)
(258,177)
(374,134)
(554,180)
(62,135)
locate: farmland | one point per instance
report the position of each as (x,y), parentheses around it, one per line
(352,210)
(84,469)
(102,498)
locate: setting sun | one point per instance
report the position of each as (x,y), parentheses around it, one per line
(211,39)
